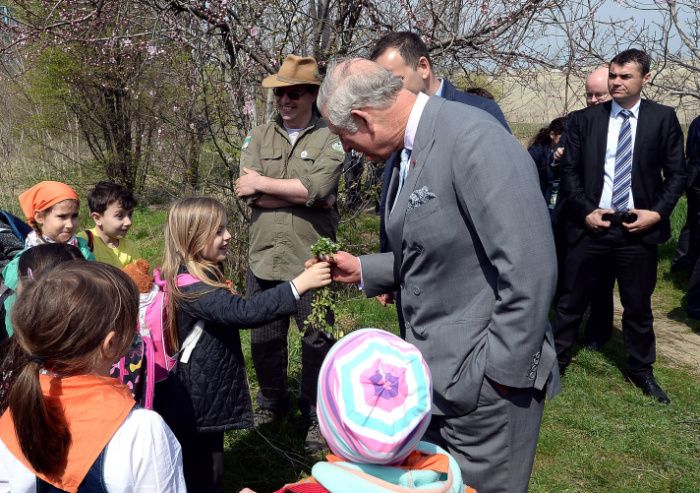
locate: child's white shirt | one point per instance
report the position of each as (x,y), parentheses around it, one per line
(143,456)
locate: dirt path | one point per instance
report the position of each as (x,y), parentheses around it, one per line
(675,341)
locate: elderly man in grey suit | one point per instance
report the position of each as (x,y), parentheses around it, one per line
(473,254)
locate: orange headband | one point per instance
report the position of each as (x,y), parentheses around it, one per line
(43,195)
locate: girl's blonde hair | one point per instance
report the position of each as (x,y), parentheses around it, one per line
(192,224)
(61,321)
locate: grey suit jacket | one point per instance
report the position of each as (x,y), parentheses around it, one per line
(473,254)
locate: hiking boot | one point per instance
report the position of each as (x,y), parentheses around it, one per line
(264,417)
(314,442)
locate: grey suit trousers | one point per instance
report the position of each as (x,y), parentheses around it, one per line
(494,444)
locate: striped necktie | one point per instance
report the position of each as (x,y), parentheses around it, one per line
(403,173)
(623,164)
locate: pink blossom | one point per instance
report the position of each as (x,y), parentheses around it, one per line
(248,108)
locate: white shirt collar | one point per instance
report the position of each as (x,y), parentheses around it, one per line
(412,125)
(616,108)
(440,87)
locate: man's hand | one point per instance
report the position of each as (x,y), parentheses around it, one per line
(594,220)
(645,220)
(386,299)
(247,184)
(345,268)
(558,153)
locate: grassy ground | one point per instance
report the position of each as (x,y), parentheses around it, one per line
(599,434)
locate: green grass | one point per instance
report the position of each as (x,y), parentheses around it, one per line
(599,434)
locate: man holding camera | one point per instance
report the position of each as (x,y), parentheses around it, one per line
(623,172)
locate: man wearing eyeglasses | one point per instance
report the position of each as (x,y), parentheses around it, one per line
(290,169)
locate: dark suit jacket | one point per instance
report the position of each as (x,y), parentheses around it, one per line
(450,93)
(658,165)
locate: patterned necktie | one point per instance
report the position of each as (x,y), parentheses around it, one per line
(403,173)
(623,164)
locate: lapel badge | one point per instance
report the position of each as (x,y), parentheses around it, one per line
(304,154)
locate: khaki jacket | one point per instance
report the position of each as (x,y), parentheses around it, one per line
(280,239)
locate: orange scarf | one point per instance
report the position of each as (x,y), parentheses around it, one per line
(95,407)
(43,195)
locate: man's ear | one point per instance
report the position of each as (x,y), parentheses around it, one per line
(646,79)
(423,68)
(364,119)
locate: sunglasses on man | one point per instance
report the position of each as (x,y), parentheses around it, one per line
(292,94)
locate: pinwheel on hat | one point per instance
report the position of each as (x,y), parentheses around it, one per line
(374,397)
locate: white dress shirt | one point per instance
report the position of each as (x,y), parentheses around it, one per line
(611,150)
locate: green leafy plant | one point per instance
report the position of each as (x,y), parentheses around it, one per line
(324,301)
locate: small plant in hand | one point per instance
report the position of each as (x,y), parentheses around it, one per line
(324,301)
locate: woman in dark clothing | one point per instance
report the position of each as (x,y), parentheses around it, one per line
(541,149)
(207,392)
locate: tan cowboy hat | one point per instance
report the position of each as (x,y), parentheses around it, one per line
(295,70)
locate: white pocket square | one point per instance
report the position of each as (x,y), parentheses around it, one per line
(420,197)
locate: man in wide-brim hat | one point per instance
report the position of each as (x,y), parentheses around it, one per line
(290,169)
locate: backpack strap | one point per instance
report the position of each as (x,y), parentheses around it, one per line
(90,240)
(186,279)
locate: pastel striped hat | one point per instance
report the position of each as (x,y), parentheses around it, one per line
(374,397)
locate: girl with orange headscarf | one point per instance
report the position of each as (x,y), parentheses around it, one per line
(51,209)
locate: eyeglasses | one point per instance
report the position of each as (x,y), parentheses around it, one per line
(292,94)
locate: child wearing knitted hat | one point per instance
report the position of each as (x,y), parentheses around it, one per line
(51,209)
(374,402)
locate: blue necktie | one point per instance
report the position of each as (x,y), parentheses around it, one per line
(623,165)
(403,173)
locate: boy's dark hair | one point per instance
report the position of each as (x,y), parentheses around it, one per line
(106,193)
(408,44)
(633,55)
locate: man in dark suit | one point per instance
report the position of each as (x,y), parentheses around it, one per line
(692,154)
(623,172)
(406,56)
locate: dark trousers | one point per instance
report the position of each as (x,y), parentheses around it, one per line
(494,444)
(202,460)
(633,264)
(688,246)
(270,355)
(598,328)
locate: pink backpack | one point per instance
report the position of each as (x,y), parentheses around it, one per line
(149,360)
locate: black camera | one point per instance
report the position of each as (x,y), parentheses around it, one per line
(618,218)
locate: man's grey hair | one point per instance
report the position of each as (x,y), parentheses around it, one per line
(354,84)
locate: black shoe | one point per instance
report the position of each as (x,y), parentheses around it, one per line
(314,442)
(264,417)
(649,387)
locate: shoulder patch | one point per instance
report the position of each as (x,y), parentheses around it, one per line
(246,142)
(337,146)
